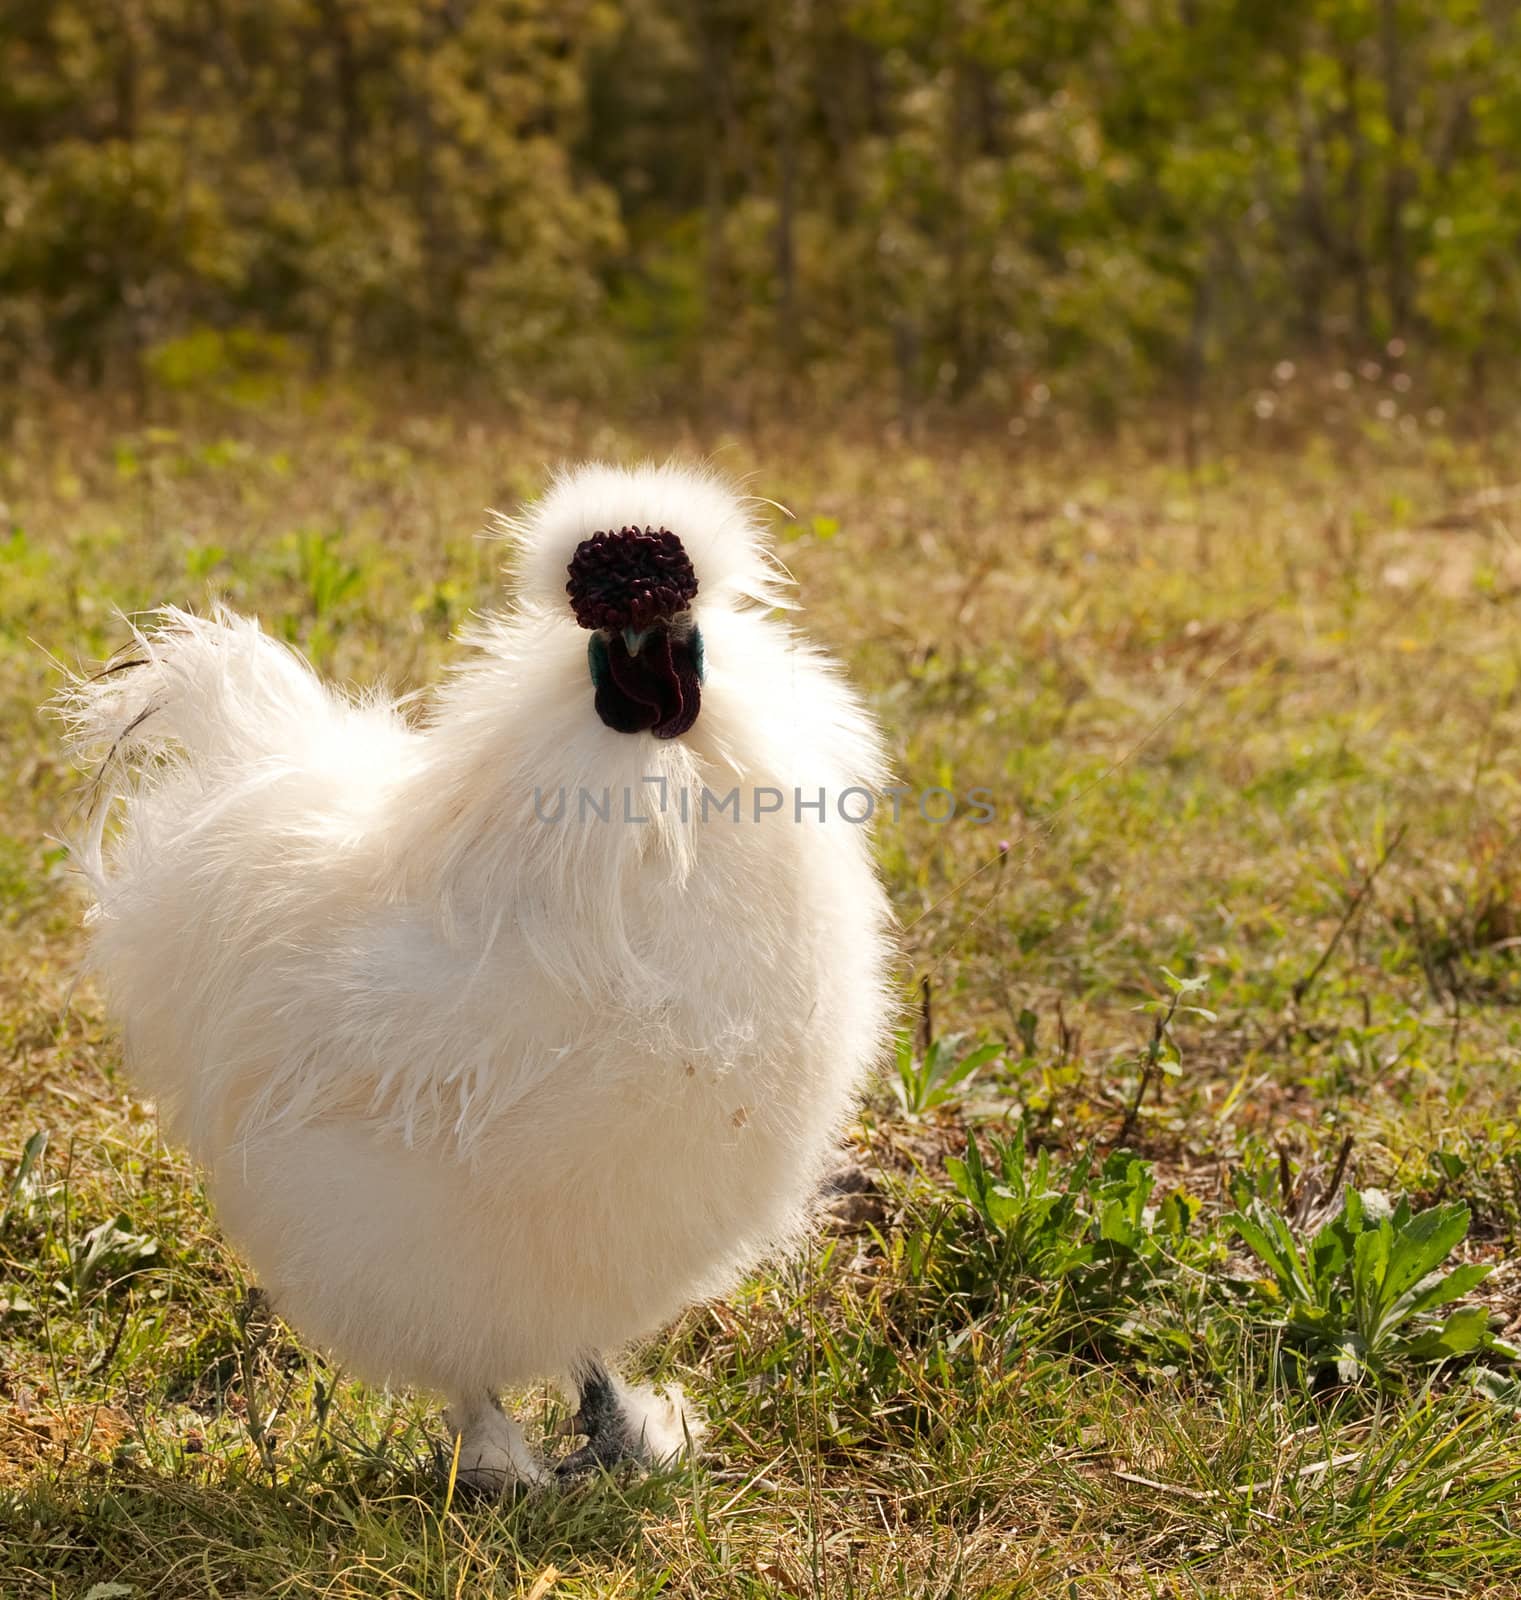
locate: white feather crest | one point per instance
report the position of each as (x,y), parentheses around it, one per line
(717,527)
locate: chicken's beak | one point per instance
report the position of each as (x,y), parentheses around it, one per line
(634,638)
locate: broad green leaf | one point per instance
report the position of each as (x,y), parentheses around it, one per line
(1177,1212)
(1423,1244)
(1463,1332)
(1184,985)
(1438,1290)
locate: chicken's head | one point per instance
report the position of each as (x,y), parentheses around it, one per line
(643,556)
(633,587)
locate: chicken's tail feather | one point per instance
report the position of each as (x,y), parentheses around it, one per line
(184,691)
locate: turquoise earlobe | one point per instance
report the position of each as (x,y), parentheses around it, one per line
(596,659)
(699,661)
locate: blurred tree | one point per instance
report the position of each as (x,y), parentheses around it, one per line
(379,178)
(955,202)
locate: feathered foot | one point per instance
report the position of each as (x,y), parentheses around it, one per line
(493,1454)
(627,1422)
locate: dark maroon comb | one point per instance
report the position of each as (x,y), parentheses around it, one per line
(630,578)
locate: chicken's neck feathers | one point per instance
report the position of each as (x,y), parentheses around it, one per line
(523,813)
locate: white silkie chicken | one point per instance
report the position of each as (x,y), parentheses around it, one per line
(490,1076)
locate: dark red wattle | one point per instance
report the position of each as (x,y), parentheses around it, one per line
(657,689)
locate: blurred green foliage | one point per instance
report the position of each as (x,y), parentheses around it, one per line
(378,179)
(928,201)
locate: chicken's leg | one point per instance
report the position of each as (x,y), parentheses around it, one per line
(493,1454)
(627,1422)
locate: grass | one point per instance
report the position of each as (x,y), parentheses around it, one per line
(1241,937)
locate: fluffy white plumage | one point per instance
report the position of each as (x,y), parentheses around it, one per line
(482,1096)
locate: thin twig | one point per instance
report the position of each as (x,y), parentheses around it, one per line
(1209,1496)
(1341,1165)
(1183,1489)
(755,1480)
(1149,1070)
(1350,1459)
(253,1337)
(1285,1180)
(1306,983)
(105,1361)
